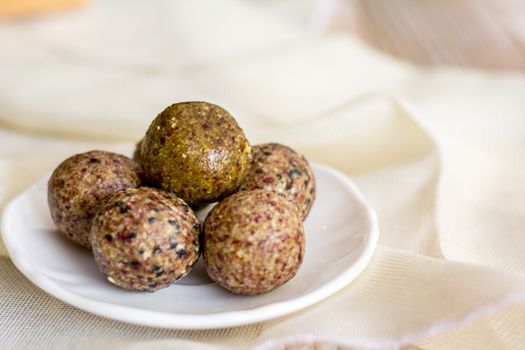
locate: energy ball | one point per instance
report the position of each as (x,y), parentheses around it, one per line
(197,151)
(138,161)
(136,153)
(280,169)
(145,239)
(78,186)
(253,242)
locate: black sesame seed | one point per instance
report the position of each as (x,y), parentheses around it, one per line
(258,171)
(135,263)
(181,253)
(153,285)
(266,153)
(157,250)
(294,171)
(122,207)
(288,186)
(131,235)
(108,238)
(160,273)
(156,267)
(173,244)
(174,224)
(141,251)
(152,220)
(94,160)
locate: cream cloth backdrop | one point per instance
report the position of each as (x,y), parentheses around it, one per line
(439,153)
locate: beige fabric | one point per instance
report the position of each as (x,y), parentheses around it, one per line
(439,154)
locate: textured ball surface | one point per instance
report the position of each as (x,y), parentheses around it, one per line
(80,184)
(196,150)
(280,169)
(136,153)
(145,239)
(253,242)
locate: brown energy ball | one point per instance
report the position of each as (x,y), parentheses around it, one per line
(80,184)
(145,239)
(253,242)
(138,161)
(280,169)
(136,153)
(196,150)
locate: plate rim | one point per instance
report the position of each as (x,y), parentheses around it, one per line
(216,320)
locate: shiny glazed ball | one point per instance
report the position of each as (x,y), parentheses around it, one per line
(253,242)
(196,150)
(280,169)
(80,184)
(145,239)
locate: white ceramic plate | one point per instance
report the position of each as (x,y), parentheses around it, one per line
(341,235)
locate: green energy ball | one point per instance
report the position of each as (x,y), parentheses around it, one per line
(196,150)
(80,184)
(253,242)
(145,239)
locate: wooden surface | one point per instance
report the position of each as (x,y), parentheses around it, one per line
(480,33)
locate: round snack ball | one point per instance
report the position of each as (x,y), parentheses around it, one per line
(196,150)
(138,161)
(136,153)
(253,242)
(145,239)
(80,184)
(280,169)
